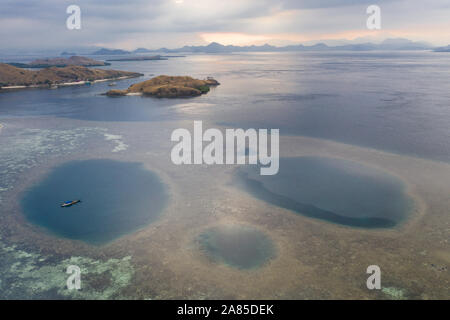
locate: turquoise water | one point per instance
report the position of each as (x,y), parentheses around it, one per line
(237,246)
(117,198)
(335,190)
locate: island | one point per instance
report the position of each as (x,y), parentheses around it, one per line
(61,62)
(105,52)
(141,50)
(168,87)
(16,78)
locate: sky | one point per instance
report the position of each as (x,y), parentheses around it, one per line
(129,24)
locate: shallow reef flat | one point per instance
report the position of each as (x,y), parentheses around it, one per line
(314,259)
(27,275)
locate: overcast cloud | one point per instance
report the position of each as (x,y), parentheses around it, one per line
(38,25)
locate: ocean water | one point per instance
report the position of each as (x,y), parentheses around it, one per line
(394,101)
(333,190)
(238,246)
(117,198)
(391,101)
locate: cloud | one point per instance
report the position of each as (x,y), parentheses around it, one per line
(171,23)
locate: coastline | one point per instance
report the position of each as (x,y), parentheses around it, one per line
(164,86)
(66,84)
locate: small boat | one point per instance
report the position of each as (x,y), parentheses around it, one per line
(69,203)
(111,84)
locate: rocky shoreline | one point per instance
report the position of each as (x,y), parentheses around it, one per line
(168,87)
(17,78)
(66,84)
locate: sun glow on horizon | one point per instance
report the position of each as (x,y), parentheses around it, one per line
(233,38)
(241,39)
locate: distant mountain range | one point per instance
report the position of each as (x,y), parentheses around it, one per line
(61,62)
(214,47)
(65,53)
(108,52)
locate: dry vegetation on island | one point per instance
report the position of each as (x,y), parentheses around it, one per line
(12,76)
(168,87)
